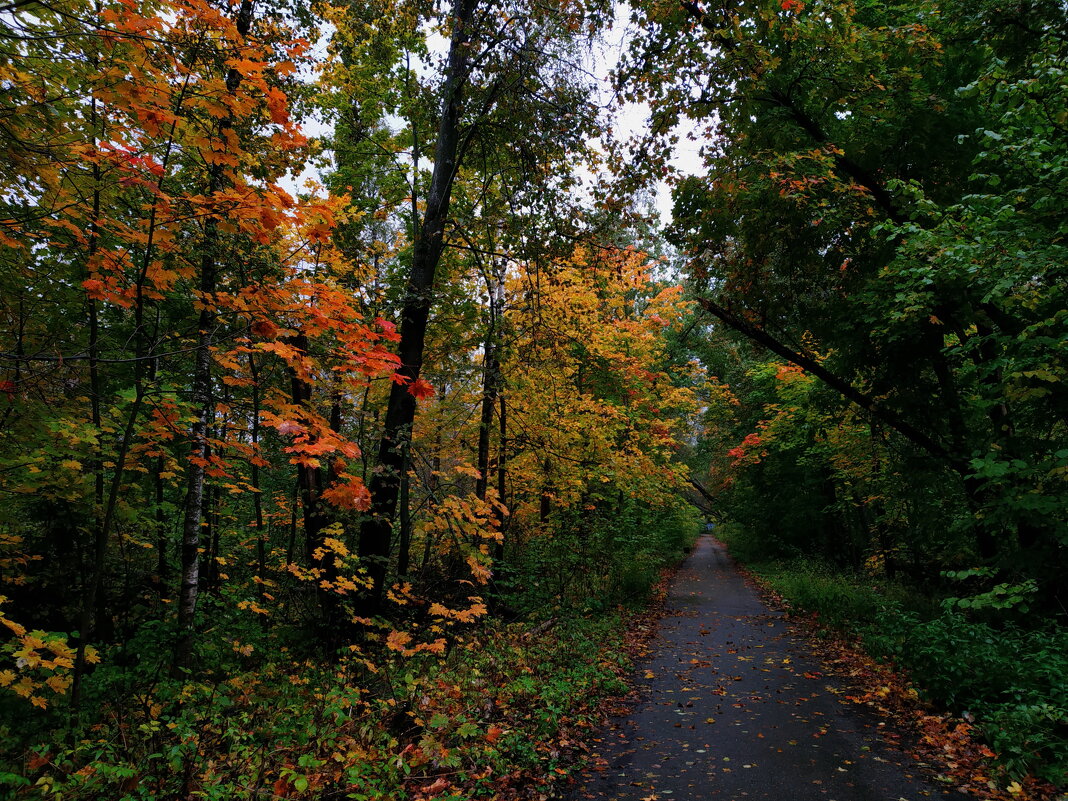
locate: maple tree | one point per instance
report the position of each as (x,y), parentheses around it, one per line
(167,204)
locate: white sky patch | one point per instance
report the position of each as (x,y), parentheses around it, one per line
(629,120)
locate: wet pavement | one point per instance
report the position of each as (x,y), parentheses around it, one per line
(734,706)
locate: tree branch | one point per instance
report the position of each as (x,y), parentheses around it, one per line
(839,385)
(807,123)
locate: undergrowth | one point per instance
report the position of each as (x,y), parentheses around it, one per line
(497,717)
(1008,675)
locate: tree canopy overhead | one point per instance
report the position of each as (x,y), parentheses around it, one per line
(883,206)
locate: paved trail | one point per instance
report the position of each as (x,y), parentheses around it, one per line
(734,707)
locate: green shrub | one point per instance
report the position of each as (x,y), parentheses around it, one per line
(1009,678)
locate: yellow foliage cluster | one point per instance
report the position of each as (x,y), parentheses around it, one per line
(621,421)
(41,661)
(400,640)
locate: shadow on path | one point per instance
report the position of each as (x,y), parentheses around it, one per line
(735,707)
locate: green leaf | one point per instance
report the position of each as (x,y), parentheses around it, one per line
(438,721)
(467,730)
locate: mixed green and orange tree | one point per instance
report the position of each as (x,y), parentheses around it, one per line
(882,208)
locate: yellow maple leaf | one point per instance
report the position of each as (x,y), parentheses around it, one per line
(25,687)
(398,641)
(58,684)
(436,647)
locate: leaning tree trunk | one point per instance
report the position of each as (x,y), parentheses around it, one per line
(376,531)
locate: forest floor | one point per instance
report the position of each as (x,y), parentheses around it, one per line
(733,704)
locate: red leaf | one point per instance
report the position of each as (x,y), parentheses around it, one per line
(421,389)
(276,106)
(352,494)
(265,329)
(94,286)
(388,328)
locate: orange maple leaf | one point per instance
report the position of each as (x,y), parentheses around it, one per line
(398,641)
(352,494)
(421,389)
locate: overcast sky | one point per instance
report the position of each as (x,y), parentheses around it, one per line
(633,118)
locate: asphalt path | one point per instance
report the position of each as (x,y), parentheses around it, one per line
(734,706)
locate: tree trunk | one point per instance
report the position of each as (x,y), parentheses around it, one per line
(491,374)
(309,479)
(376,531)
(202,397)
(291,543)
(162,567)
(545,506)
(404,546)
(257,499)
(502,479)
(433,484)
(312,482)
(189,589)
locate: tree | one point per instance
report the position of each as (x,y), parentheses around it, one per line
(154,216)
(500,65)
(838,135)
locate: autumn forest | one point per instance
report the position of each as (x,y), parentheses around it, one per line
(365,368)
